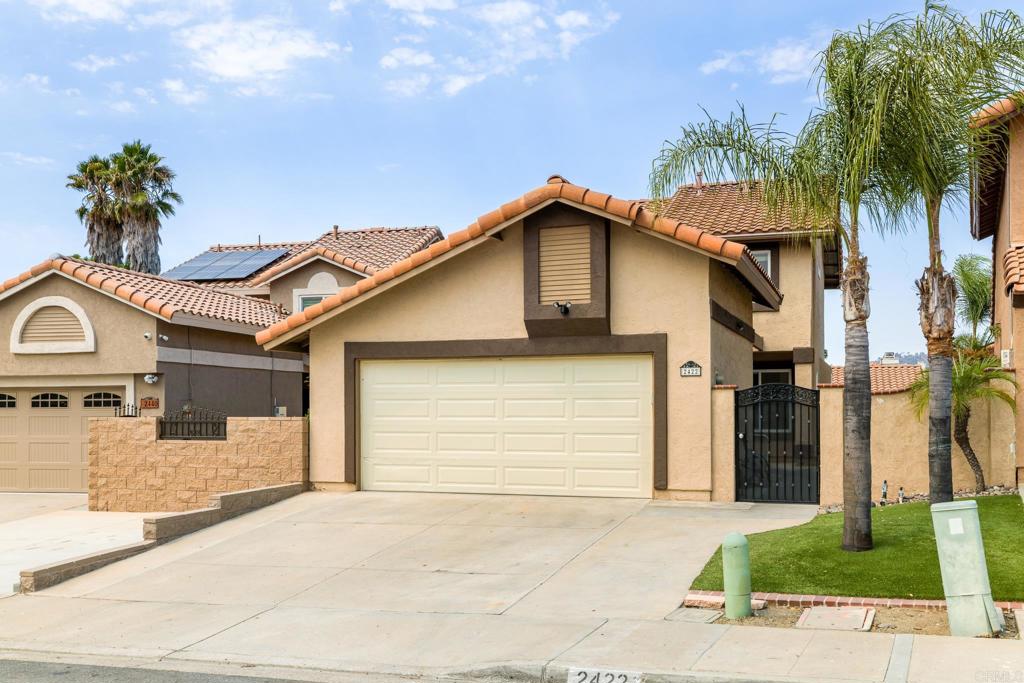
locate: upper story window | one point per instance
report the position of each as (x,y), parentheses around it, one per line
(52,324)
(764,259)
(101,399)
(8,401)
(307,301)
(49,400)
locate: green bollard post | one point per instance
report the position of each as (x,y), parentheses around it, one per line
(736,575)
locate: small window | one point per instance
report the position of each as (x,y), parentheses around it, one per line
(764,259)
(102,399)
(307,301)
(772,376)
(8,401)
(49,401)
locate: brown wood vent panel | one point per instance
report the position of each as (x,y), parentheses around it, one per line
(564,266)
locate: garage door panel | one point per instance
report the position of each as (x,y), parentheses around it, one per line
(49,452)
(49,479)
(8,425)
(49,425)
(8,452)
(557,426)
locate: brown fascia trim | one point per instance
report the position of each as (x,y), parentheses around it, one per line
(734,324)
(773,248)
(750,273)
(655,345)
(583,319)
(803,355)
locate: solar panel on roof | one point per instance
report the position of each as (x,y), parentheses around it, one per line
(224,265)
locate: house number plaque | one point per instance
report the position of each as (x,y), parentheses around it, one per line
(689,369)
(149,404)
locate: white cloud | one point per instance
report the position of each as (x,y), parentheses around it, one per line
(420,6)
(131,13)
(144,94)
(408,87)
(572,19)
(180,93)
(92,63)
(37,82)
(453,85)
(123,107)
(341,6)
(405,56)
(788,61)
(21,159)
(507,12)
(252,52)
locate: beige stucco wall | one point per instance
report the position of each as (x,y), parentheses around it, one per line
(790,326)
(899,446)
(281,289)
(120,345)
(723,444)
(731,356)
(655,287)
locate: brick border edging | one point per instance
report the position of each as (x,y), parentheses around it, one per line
(159,530)
(699,598)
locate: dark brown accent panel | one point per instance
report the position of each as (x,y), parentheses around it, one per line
(720,315)
(545,320)
(803,354)
(655,345)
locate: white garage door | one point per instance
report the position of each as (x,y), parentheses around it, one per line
(578,426)
(44,436)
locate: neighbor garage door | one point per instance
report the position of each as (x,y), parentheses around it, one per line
(578,426)
(44,436)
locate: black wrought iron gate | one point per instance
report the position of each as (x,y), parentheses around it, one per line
(777,444)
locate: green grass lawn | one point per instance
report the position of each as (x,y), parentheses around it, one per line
(807,559)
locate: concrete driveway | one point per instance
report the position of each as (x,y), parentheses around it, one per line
(42,528)
(390,581)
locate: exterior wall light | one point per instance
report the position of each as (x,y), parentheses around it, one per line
(563,308)
(151,379)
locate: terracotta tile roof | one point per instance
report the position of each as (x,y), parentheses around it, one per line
(885,379)
(158,295)
(370,249)
(556,188)
(996,111)
(367,250)
(727,208)
(1013,269)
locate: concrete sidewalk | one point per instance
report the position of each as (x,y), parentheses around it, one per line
(456,588)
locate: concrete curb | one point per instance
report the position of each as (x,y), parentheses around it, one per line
(715,600)
(159,530)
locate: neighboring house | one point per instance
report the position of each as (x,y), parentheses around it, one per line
(995,213)
(296,275)
(801,260)
(566,343)
(86,339)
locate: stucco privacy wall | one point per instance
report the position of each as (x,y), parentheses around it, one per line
(130,470)
(899,446)
(655,287)
(723,443)
(121,346)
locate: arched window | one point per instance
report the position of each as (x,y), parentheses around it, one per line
(49,400)
(52,324)
(8,401)
(101,399)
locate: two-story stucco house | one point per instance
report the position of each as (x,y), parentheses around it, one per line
(803,261)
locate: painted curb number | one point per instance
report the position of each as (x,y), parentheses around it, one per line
(603,676)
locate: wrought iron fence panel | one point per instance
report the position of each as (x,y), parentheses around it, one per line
(777,444)
(195,423)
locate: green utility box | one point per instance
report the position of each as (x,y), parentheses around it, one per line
(969,603)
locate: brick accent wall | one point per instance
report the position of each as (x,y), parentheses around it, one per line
(130,470)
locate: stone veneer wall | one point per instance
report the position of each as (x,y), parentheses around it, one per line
(131,470)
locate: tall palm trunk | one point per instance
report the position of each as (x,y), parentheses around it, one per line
(937,309)
(142,241)
(963,440)
(856,403)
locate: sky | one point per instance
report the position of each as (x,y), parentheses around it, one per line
(283,118)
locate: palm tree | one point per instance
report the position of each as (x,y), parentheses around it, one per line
(824,176)
(973,276)
(103,231)
(143,186)
(972,380)
(943,68)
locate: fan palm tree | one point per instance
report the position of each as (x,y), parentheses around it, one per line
(943,68)
(973,276)
(143,187)
(973,380)
(104,233)
(823,176)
